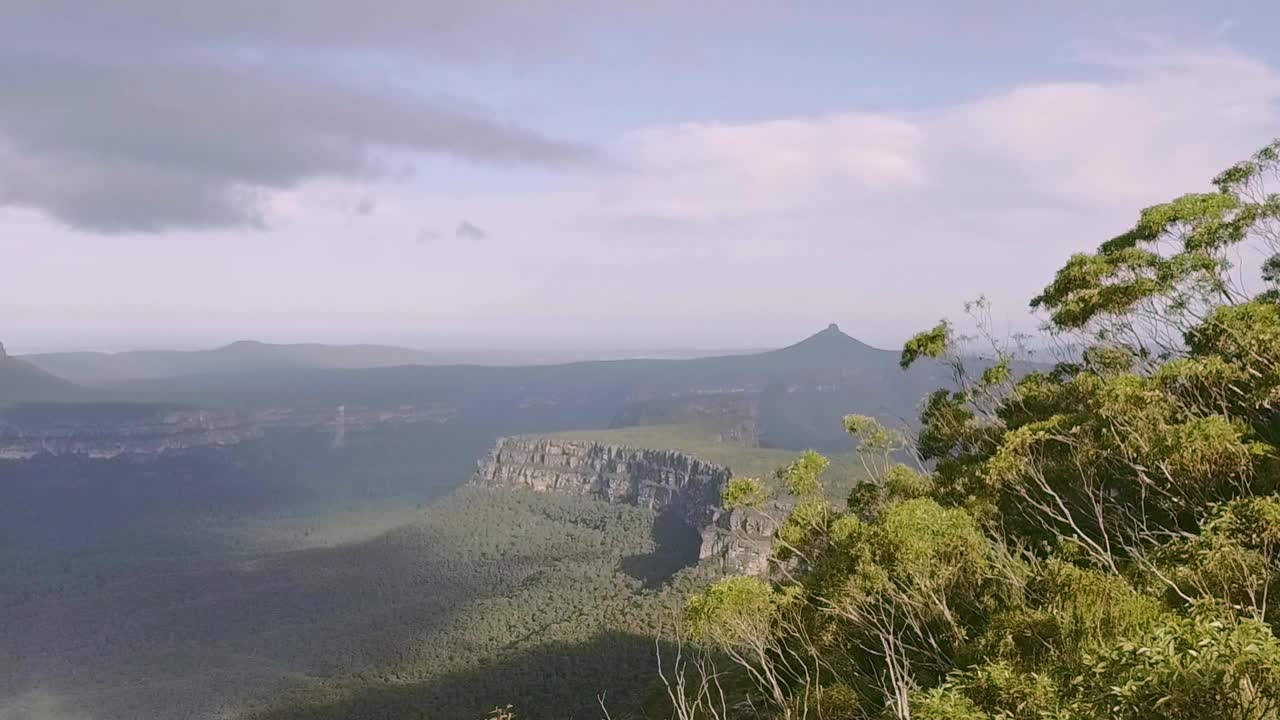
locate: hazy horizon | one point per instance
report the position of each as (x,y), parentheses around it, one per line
(514,345)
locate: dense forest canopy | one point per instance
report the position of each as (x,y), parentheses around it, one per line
(1096,540)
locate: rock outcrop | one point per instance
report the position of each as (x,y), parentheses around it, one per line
(658,480)
(741,541)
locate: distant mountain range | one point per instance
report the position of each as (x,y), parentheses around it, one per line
(98,368)
(247,356)
(793,397)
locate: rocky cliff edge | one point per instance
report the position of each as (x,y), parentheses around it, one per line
(657,480)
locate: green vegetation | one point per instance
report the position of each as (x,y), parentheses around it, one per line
(380,613)
(1099,540)
(200,584)
(520,597)
(743,492)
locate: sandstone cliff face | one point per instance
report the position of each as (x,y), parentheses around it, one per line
(658,480)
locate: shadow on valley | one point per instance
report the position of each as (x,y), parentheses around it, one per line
(69,502)
(212,629)
(549,681)
(206,572)
(676,546)
(227,617)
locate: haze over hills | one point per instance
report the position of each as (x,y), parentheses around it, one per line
(820,351)
(94,368)
(21,381)
(792,397)
(244,356)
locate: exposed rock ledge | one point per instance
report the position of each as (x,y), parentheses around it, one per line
(659,480)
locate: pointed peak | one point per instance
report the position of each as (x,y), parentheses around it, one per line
(828,345)
(831,333)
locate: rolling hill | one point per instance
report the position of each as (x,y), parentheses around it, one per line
(20,381)
(249,356)
(100,368)
(791,398)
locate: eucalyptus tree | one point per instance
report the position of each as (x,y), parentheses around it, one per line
(1096,540)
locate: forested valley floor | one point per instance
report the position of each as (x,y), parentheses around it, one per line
(294,581)
(545,600)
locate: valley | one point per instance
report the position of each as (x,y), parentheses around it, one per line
(340,546)
(394,611)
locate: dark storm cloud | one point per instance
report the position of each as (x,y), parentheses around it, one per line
(148,116)
(468,231)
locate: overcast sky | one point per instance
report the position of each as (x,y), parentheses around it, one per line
(573,173)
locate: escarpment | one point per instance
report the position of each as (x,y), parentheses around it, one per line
(144,432)
(657,480)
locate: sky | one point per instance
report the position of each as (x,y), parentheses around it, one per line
(570,173)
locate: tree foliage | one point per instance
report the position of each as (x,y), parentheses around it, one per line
(1096,539)
(744,492)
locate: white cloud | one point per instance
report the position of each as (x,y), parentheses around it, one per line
(710,172)
(718,233)
(986,196)
(1163,124)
